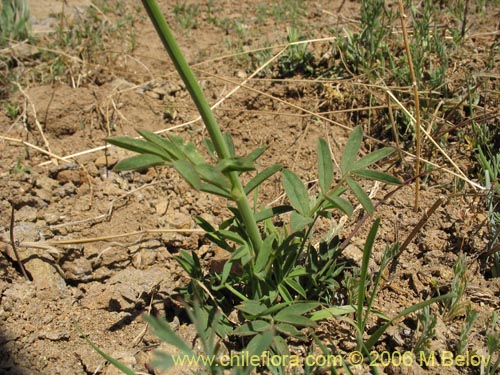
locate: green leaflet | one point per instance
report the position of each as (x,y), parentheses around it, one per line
(351,150)
(296,192)
(141,161)
(361,195)
(325,166)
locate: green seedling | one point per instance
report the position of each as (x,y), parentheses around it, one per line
(297,58)
(471,316)
(493,346)
(186,14)
(14,21)
(11,109)
(455,306)
(427,323)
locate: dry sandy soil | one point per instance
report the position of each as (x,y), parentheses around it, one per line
(98,246)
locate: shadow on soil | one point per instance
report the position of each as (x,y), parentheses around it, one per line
(9,355)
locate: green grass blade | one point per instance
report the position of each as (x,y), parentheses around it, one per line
(367,253)
(251,328)
(378,176)
(364,271)
(120,366)
(351,150)
(295,285)
(325,166)
(296,192)
(252,308)
(299,222)
(260,343)
(363,198)
(372,158)
(163,331)
(379,332)
(294,319)
(261,177)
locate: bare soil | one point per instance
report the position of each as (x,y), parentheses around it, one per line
(98,245)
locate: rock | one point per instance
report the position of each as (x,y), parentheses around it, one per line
(161,207)
(26,213)
(145,258)
(67,189)
(27,232)
(54,335)
(354,255)
(179,220)
(77,177)
(44,194)
(79,269)
(44,274)
(20,51)
(52,218)
(40,266)
(123,290)
(112,190)
(46,183)
(103,161)
(125,358)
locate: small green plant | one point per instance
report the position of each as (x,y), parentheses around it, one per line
(367,51)
(20,168)
(428,47)
(11,109)
(427,323)
(493,345)
(186,14)
(455,306)
(289,10)
(488,159)
(14,21)
(297,58)
(471,316)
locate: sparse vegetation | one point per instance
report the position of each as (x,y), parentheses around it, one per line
(321,252)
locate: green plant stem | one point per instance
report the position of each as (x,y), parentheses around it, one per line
(208,117)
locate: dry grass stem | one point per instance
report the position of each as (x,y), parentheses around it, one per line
(35,117)
(45,152)
(417,103)
(13,243)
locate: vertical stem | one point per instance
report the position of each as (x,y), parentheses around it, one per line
(208,117)
(417,104)
(13,244)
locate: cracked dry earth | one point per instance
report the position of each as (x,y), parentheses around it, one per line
(98,246)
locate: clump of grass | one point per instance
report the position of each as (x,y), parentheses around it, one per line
(14,21)
(186,14)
